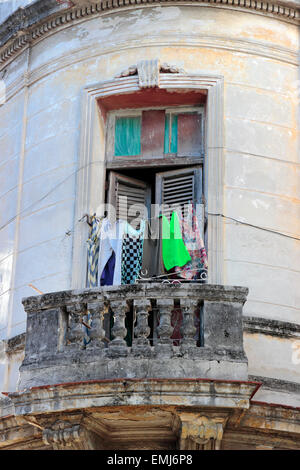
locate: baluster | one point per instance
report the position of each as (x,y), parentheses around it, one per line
(75,334)
(141,345)
(96,333)
(118,347)
(188,329)
(164,329)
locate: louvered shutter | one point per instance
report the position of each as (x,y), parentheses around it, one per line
(178,188)
(130,197)
(175,189)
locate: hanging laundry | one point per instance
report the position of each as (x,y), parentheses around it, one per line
(132,254)
(105,246)
(152,262)
(111,240)
(107,276)
(193,241)
(92,262)
(174,251)
(93,252)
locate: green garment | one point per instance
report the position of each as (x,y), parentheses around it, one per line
(174,251)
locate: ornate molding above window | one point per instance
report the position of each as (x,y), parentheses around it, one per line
(148,72)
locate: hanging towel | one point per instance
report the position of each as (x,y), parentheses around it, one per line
(174,251)
(132,253)
(93,252)
(193,241)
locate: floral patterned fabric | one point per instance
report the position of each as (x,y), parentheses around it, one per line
(193,241)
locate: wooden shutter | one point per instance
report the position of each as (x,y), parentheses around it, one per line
(153,129)
(190,135)
(175,189)
(128,136)
(184,132)
(124,193)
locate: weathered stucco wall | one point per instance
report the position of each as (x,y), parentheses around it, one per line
(40,133)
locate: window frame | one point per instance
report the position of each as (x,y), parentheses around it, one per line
(112,159)
(91,162)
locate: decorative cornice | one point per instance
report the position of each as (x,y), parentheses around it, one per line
(31,23)
(25,17)
(268,327)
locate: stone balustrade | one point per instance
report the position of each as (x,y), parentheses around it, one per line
(157,330)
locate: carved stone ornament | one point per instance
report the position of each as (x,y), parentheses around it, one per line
(148,72)
(201,432)
(64,435)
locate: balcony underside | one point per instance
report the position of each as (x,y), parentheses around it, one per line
(131,414)
(184,414)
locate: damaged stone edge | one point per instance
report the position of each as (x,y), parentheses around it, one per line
(14,345)
(273,384)
(270,327)
(14,404)
(207,292)
(36,20)
(152,391)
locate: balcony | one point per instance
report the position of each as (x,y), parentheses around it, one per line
(131,334)
(162,367)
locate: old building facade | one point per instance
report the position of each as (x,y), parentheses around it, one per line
(225,75)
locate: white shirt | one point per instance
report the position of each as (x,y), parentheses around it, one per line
(111,239)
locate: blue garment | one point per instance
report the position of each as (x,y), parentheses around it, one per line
(107,276)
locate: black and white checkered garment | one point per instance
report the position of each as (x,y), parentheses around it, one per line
(132,252)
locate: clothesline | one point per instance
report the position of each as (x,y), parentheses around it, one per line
(125,259)
(169,274)
(142,218)
(234,220)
